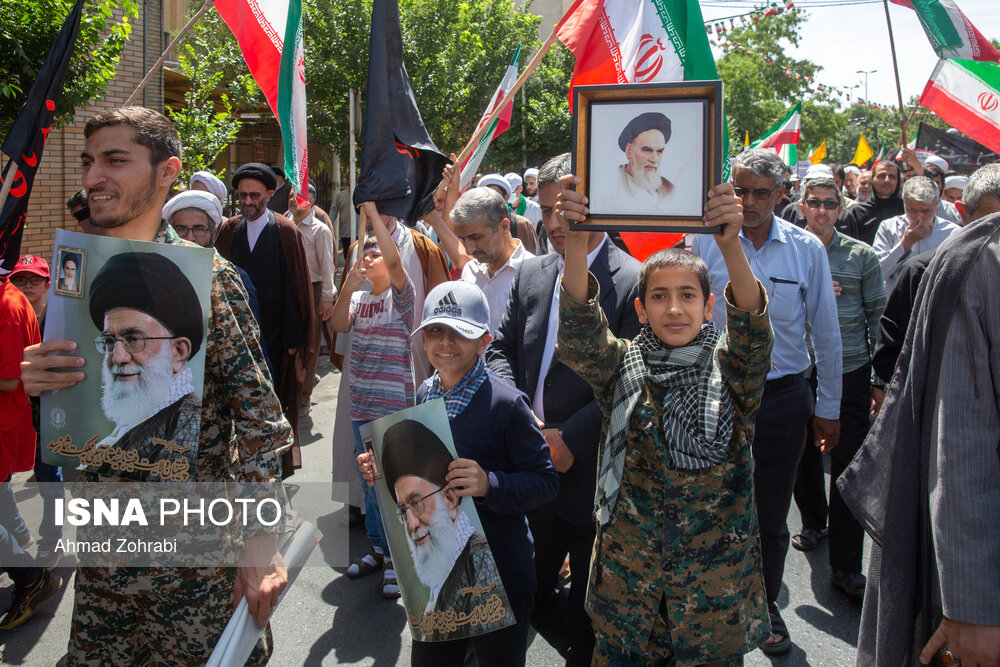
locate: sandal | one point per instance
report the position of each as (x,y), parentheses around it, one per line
(390,587)
(366,564)
(778,627)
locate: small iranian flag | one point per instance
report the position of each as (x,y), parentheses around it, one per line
(783,138)
(499,125)
(950,31)
(966,95)
(269,33)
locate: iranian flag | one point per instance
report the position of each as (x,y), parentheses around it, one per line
(270,36)
(783,138)
(951,33)
(966,95)
(639,41)
(499,125)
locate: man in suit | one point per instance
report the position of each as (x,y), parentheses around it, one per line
(523,352)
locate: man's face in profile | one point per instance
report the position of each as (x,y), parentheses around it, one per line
(429,513)
(141,357)
(644,154)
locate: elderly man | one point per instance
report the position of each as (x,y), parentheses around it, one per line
(523,353)
(926,483)
(643,141)
(917,231)
(864,186)
(792,265)
(321,253)
(857,280)
(481,221)
(68,280)
(270,249)
(450,557)
(151,325)
(130,160)
(885,203)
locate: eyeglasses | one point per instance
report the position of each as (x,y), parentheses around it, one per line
(252,196)
(417,507)
(198,231)
(758,194)
(827,204)
(134,343)
(24,281)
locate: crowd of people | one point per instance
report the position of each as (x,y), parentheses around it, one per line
(633,432)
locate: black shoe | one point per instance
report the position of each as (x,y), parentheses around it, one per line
(27,598)
(808,539)
(354,516)
(851,583)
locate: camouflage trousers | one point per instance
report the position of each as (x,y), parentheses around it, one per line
(152,616)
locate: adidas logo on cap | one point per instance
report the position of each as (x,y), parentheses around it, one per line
(448,306)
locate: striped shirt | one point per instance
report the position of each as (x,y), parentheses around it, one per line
(862,298)
(381,363)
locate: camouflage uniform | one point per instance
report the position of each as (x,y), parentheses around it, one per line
(676,573)
(175,616)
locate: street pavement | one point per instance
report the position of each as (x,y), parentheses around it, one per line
(329,619)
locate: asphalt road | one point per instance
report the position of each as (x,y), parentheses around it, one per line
(328,619)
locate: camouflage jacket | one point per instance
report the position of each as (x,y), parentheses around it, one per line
(689,537)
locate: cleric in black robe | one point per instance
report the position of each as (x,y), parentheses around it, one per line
(270,249)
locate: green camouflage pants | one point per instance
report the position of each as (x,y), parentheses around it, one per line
(152,616)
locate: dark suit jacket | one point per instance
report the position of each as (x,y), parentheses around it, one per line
(516,355)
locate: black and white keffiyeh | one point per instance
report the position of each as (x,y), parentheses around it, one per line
(697,412)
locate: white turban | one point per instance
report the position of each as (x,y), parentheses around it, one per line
(514,179)
(937,162)
(955,182)
(528,173)
(210,181)
(496,179)
(198,199)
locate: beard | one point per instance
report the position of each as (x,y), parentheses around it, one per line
(135,204)
(432,561)
(132,402)
(646,179)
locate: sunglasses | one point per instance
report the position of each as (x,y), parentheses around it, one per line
(827,204)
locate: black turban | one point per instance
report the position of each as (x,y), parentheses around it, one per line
(410,448)
(257,171)
(153,284)
(651,120)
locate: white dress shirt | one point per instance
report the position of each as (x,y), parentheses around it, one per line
(892,254)
(496,287)
(318,241)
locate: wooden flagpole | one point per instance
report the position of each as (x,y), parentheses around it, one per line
(895,69)
(8,180)
(173,44)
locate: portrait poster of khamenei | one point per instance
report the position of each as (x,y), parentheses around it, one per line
(647,159)
(446,572)
(140,324)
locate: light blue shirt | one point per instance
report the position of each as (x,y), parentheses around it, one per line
(793,267)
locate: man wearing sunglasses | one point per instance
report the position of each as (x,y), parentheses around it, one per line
(857,282)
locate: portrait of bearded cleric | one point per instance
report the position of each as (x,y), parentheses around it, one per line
(450,564)
(150,323)
(646,159)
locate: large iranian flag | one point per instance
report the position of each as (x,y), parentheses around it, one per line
(951,33)
(966,95)
(784,137)
(639,41)
(499,125)
(270,36)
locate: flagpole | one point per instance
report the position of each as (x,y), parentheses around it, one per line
(8,180)
(508,96)
(895,70)
(173,44)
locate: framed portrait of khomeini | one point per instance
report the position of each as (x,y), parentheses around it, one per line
(69,271)
(647,154)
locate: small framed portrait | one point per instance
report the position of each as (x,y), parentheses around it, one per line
(69,271)
(647,154)
(370,448)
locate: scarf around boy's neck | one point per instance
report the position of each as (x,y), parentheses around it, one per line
(458,397)
(697,411)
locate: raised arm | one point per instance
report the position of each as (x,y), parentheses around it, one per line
(390,253)
(724,209)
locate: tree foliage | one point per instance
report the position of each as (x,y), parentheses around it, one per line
(27,30)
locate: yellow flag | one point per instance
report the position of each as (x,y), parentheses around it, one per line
(817,155)
(863,153)
(746,140)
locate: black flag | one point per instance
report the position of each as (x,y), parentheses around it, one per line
(26,139)
(400,165)
(963,154)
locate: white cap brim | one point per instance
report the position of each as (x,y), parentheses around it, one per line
(461,327)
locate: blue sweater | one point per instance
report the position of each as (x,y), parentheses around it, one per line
(497,431)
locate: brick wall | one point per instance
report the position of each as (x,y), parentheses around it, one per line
(59,174)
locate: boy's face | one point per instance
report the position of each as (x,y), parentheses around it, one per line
(373,268)
(451,353)
(675,307)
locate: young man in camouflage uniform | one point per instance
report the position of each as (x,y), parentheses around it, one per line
(175,616)
(677,575)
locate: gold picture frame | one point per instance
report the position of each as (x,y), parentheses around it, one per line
(62,284)
(644,181)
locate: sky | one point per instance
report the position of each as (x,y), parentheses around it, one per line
(845,39)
